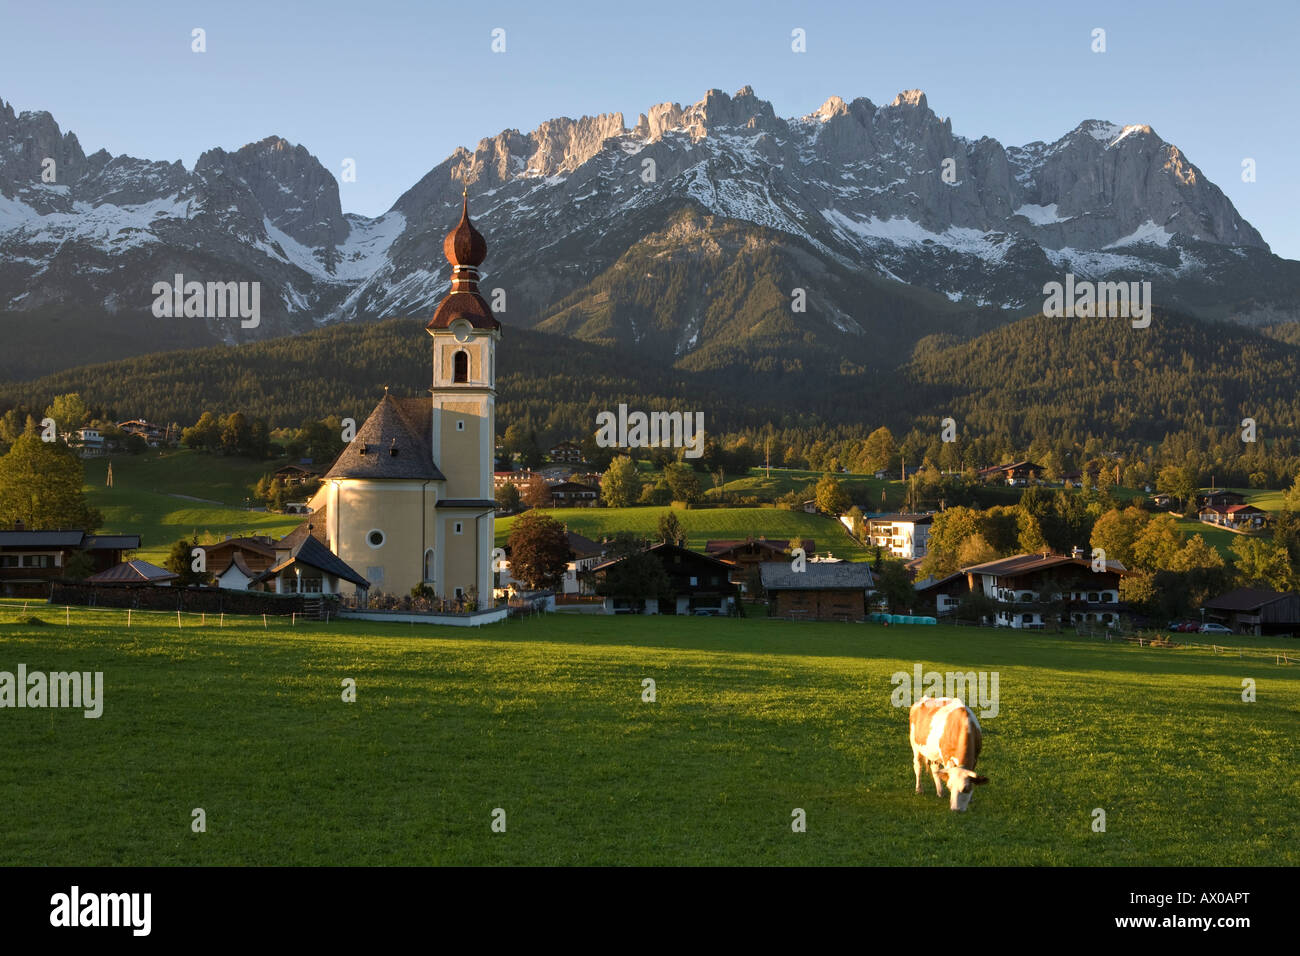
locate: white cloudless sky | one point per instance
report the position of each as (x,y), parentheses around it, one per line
(396,85)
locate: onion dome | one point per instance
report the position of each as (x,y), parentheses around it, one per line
(466,249)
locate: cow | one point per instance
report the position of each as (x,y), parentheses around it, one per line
(945,736)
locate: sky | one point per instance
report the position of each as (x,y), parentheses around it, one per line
(397,85)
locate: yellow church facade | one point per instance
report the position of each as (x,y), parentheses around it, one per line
(410,502)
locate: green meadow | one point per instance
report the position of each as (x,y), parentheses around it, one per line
(544,718)
(154,494)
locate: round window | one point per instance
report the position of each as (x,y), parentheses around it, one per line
(375,539)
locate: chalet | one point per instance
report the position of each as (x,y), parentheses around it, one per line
(235,562)
(295,474)
(1018,473)
(517,478)
(902,536)
(567,451)
(1163,500)
(30,560)
(744,556)
(134,573)
(700,584)
(1235,517)
(1034,588)
(1072,479)
(823,591)
(572,494)
(1256,611)
(1219,499)
(151,433)
(88,442)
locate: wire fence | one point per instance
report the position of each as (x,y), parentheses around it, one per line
(12,612)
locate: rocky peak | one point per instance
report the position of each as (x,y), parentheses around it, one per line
(297,193)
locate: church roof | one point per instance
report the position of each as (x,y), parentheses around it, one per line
(392,443)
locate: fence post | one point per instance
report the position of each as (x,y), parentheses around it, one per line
(178,617)
(222,622)
(67,616)
(264,621)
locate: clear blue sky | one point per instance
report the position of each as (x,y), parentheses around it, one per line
(397,84)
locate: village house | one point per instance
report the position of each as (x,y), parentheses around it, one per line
(823,591)
(573,494)
(901,535)
(746,556)
(236,562)
(1032,589)
(567,451)
(584,554)
(1235,517)
(30,560)
(153,435)
(700,584)
(298,474)
(1017,473)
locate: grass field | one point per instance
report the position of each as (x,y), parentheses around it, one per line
(544,718)
(146,498)
(706,524)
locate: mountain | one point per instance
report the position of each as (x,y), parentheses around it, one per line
(686,236)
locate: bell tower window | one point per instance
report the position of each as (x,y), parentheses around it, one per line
(460,366)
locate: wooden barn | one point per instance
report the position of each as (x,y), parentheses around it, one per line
(823,591)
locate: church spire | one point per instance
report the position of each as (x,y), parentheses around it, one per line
(465,248)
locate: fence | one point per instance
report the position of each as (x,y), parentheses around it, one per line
(209,600)
(1148,639)
(131,616)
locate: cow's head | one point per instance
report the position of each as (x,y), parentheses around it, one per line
(961,783)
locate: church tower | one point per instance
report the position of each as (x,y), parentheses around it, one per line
(463,440)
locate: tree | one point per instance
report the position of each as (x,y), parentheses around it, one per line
(205,433)
(1157,544)
(507,497)
(536,493)
(1030,534)
(68,411)
(539,550)
(859,523)
(975,550)
(1181,481)
(894,586)
(620,485)
(1262,564)
(880,452)
(1116,531)
(41,486)
(180,560)
(683,483)
(830,496)
(670,528)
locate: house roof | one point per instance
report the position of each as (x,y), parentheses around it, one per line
(662,548)
(133,572)
(778,545)
(314,526)
(583,547)
(42,539)
(817,576)
(264,548)
(1245,599)
(111,542)
(392,443)
(312,553)
(239,564)
(898,519)
(1023,563)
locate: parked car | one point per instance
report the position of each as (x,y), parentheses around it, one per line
(1215,629)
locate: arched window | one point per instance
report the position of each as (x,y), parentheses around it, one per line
(460,367)
(428,565)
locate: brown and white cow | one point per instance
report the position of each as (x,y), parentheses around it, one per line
(945,736)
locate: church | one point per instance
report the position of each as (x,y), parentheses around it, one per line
(410,501)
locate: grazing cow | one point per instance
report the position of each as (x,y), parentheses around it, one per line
(946,736)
